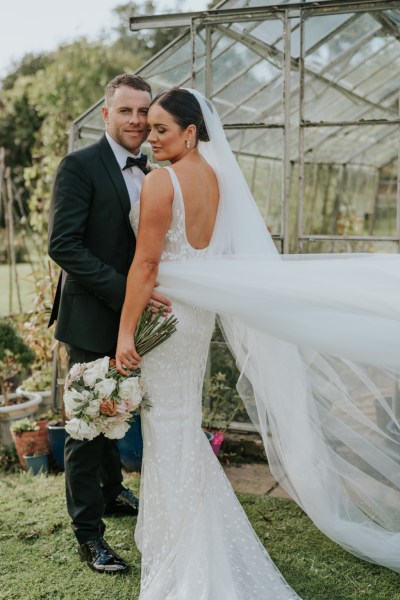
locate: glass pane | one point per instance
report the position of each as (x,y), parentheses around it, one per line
(337,246)
(350,199)
(264,177)
(349,74)
(372,145)
(222,404)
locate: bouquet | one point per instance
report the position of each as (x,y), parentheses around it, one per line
(98,399)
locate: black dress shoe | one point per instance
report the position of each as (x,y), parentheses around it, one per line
(124,504)
(101,558)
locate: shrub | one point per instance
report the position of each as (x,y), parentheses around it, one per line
(23,425)
(9,461)
(15,355)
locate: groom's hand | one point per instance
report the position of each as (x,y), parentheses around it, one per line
(157,300)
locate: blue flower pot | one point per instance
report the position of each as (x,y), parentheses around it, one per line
(37,464)
(209,436)
(57,442)
(131,446)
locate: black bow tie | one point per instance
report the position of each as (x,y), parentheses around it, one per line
(137,162)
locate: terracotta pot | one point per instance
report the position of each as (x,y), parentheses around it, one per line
(30,442)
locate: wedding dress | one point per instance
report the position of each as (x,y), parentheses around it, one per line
(317,343)
(195,539)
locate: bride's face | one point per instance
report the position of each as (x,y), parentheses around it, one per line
(168,140)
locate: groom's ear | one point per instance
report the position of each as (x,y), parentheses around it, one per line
(104,112)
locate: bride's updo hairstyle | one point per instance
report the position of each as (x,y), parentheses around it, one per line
(185,109)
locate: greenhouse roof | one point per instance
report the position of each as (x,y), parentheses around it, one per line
(313,80)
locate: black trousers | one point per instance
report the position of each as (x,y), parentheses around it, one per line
(92,471)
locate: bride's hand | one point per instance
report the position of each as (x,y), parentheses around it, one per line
(126,356)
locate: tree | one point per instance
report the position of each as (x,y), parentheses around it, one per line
(28,65)
(44,93)
(19,120)
(148,41)
(73,80)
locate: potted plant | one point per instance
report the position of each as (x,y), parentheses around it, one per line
(39,337)
(37,463)
(223,407)
(29,438)
(56,436)
(216,390)
(131,445)
(39,382)
(56,425)
(15,357)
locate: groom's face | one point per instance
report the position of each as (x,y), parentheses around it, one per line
(125,117)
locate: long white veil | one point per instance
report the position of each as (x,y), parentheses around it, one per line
(317,343)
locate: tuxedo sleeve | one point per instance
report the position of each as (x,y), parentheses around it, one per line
(70,206)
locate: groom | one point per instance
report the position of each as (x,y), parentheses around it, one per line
(91,238)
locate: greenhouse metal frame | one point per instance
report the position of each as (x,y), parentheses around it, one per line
(308,94)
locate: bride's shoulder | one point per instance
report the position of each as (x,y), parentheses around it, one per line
(158,183)
(156,177)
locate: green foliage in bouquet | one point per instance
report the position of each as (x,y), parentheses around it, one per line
(152,331)
(98,399)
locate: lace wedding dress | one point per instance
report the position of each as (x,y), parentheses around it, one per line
(195,539)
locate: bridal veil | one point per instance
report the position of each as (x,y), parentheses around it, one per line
(317,343)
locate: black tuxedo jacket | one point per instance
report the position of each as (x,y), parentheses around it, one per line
(91,238)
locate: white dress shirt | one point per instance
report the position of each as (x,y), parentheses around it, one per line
(133,176)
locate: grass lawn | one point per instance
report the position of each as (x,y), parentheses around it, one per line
(26,287)
(38,558)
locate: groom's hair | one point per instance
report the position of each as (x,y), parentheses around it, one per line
(134,81)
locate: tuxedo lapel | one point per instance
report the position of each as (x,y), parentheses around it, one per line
(112,167)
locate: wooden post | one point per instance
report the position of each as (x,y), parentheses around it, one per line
(2,168)
(6,220)
(10,221)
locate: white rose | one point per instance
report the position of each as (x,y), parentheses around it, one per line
(105,388)
(116,429)
(95,370)
(76,371)
(80,430)
(151,166)
(74,374)
(133,403)
(130,391)
(93,409)
(73,400)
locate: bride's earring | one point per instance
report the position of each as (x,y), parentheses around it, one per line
(187,144)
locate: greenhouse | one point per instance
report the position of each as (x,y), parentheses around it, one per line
(309,97)
(256,454)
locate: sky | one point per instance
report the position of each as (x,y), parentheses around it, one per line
(41,25)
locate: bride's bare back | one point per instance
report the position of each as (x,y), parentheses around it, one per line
(200,195)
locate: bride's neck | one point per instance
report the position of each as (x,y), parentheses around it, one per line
(192,154)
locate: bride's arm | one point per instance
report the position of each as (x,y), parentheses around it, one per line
(155,218)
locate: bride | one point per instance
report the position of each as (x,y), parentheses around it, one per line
(317,342)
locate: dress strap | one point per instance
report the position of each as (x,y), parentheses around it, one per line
(175,180)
